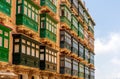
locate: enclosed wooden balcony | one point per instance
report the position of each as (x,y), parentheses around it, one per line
(25,51)
(65,17)
(65,65)
(48,58)
(65,42)
(27,15)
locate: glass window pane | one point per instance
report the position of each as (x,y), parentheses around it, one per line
(23,41)
(28,50)
(8,1)
(23,48)
(28,43)
(33,45)
(19,1)
(49,58)
(46,57)
(52,59)
(16,48)
(33,52)
(37,53)
(6,43)
(1,31)
(0,41)
(19,9)
(37,46)
(25,10)
(41,56)
(55,60)
(25,2)
(41,50)
(16,40)
(36,19)
(6,33)
(33,15)
(29,13)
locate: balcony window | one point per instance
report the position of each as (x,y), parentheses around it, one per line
(91,42)
(91,26)
(75,68)
(4,43)
(23,49)
(92,74)
(48,27)
(81,9)
(81,70)
(91,58)
(86,35)
(65,40)
(19,1)
(81,50)
(86,54)
(65,12)
(86,17)
(33,52)
(81,31)
(87,73)
(0,41)
(74,24)
(65,65)
(26,51)
(75,47)
(16,48)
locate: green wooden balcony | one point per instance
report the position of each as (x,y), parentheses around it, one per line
(48,27)
(5,7)
(28,22)
(49,4)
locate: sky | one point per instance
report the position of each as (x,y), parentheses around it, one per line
(106,14)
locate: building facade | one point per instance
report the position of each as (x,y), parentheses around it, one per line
(46,39)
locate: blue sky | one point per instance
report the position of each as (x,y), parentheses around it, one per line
(106,14)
